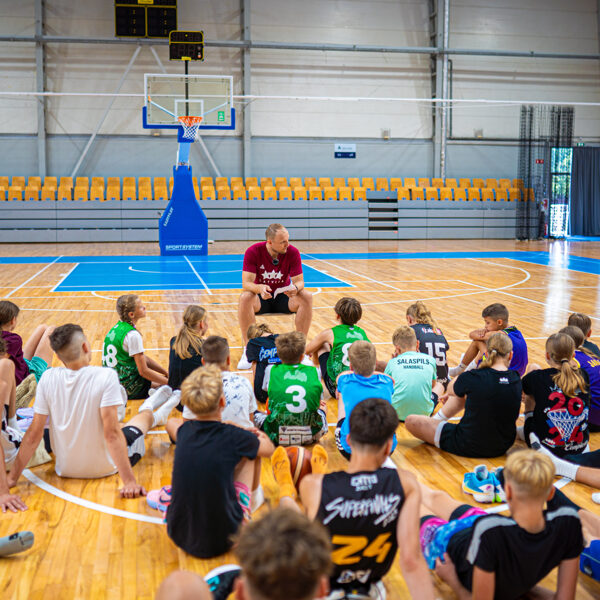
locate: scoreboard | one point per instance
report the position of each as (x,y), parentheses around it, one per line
(145,18)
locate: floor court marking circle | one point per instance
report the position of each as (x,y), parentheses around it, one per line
(109,510)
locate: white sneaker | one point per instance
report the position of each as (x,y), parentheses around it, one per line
(244,364)
(156,400)
(454,371)
(162,414)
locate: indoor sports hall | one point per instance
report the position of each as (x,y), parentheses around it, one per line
(441,151)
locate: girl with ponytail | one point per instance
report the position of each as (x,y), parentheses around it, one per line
(185,349)
(430,338)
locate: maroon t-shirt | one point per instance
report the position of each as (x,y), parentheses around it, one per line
(257,260)
(14,349)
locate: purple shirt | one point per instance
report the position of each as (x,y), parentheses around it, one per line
(14,349)
(257,260)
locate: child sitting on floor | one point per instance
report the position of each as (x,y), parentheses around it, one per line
(261,352)
(585,324)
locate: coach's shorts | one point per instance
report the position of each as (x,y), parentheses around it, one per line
(37,366)
(329,384)
(135,443)
(275,305)
(435,533)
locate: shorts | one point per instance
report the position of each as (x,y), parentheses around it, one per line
(445,438)
(37,366)
(280,304)
(338,441)
(244,497)
(329,384)
(135,443)
(137,388)
(435,533)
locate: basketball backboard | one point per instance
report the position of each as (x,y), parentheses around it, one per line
(168,97)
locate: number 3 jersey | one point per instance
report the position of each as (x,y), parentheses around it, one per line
(432,342)
(294,397)
(361,512)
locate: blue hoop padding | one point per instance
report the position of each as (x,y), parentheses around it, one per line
(147,125)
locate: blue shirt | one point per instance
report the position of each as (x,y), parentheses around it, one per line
(520,358)
(356,388)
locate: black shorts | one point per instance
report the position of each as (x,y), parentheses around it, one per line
(275,305)
(330,385)
(338,443)
(457,513)
(135,443)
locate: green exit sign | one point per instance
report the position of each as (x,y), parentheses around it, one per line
(581,143)
(221,116)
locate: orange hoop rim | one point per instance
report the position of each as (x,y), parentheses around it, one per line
(189,120)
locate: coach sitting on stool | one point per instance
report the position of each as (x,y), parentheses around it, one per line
(268,267)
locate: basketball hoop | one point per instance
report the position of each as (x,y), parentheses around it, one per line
(190,126)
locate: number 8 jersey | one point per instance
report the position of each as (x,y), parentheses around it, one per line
(293,405)
(361,512)
(343,337)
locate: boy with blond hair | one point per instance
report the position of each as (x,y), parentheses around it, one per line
(485,556)
(414,375)
(295,413)
(213,470)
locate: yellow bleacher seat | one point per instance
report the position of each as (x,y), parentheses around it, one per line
(97,193)
(17,181)
(254,192)
(514,194)
(403,193)
(310,182)
(161,192)
(236,182)
(171,184)
(491,183)
(423,182)
(145,181)
(502,194)
(99,181)
(329,193)
(2,193)
(270,192)
(487,194)
(446,193)
(464,183)
(451,183)
(382,184)
(324,182)
(431,193)
(395,183)
(64,193)
(81,193)
(345,193)
(368,183)
(128,182)
(32,193)
(518,183)
(436,182)
(295,182)
(504,183)
(48,193)
(4,183)
(204,181)
(34,182)
(220,182)
(129,192)
(49,182)
(360,193)
(353,182)
(115,182)
(113,193)
(281,182)
(145,192)
(208,192)
(478,183)
(460,194)
(339,182)
(251,182)
(474,193)
(15,192)
(416,193)
(82,182)
(300,193)
(66,182)
(223,192)
(315,193)
(410,182)
(266,181)
(239,193)
(285,192)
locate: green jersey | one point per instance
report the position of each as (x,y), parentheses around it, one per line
(116,357)
(294,398)
(343,337)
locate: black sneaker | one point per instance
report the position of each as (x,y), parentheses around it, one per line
(221,580)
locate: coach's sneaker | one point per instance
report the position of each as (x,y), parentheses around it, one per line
(159,499)
(589,562)
(220,580)
(483,485)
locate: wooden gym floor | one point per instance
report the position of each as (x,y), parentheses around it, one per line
(91,544)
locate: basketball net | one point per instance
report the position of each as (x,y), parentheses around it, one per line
(190,126)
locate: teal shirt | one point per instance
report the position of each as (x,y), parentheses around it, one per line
(413,374)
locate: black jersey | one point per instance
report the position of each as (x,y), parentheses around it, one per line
(361,512)
(263,352)
(432,341)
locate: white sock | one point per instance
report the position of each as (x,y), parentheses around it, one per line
(258,498)
(454,371)
(563,468)
(440,415)
(244,364)
(161,415)
(157,399)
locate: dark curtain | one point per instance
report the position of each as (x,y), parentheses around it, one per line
(585,192)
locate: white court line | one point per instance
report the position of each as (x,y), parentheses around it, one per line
(198,276)
(33,277)
(130,268)
(53,290)
(87,503)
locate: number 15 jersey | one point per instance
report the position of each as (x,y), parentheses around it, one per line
(432,342)
(361,512)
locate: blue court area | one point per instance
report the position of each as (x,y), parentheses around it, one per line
(218,272)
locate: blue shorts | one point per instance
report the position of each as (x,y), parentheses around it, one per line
(37,366)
